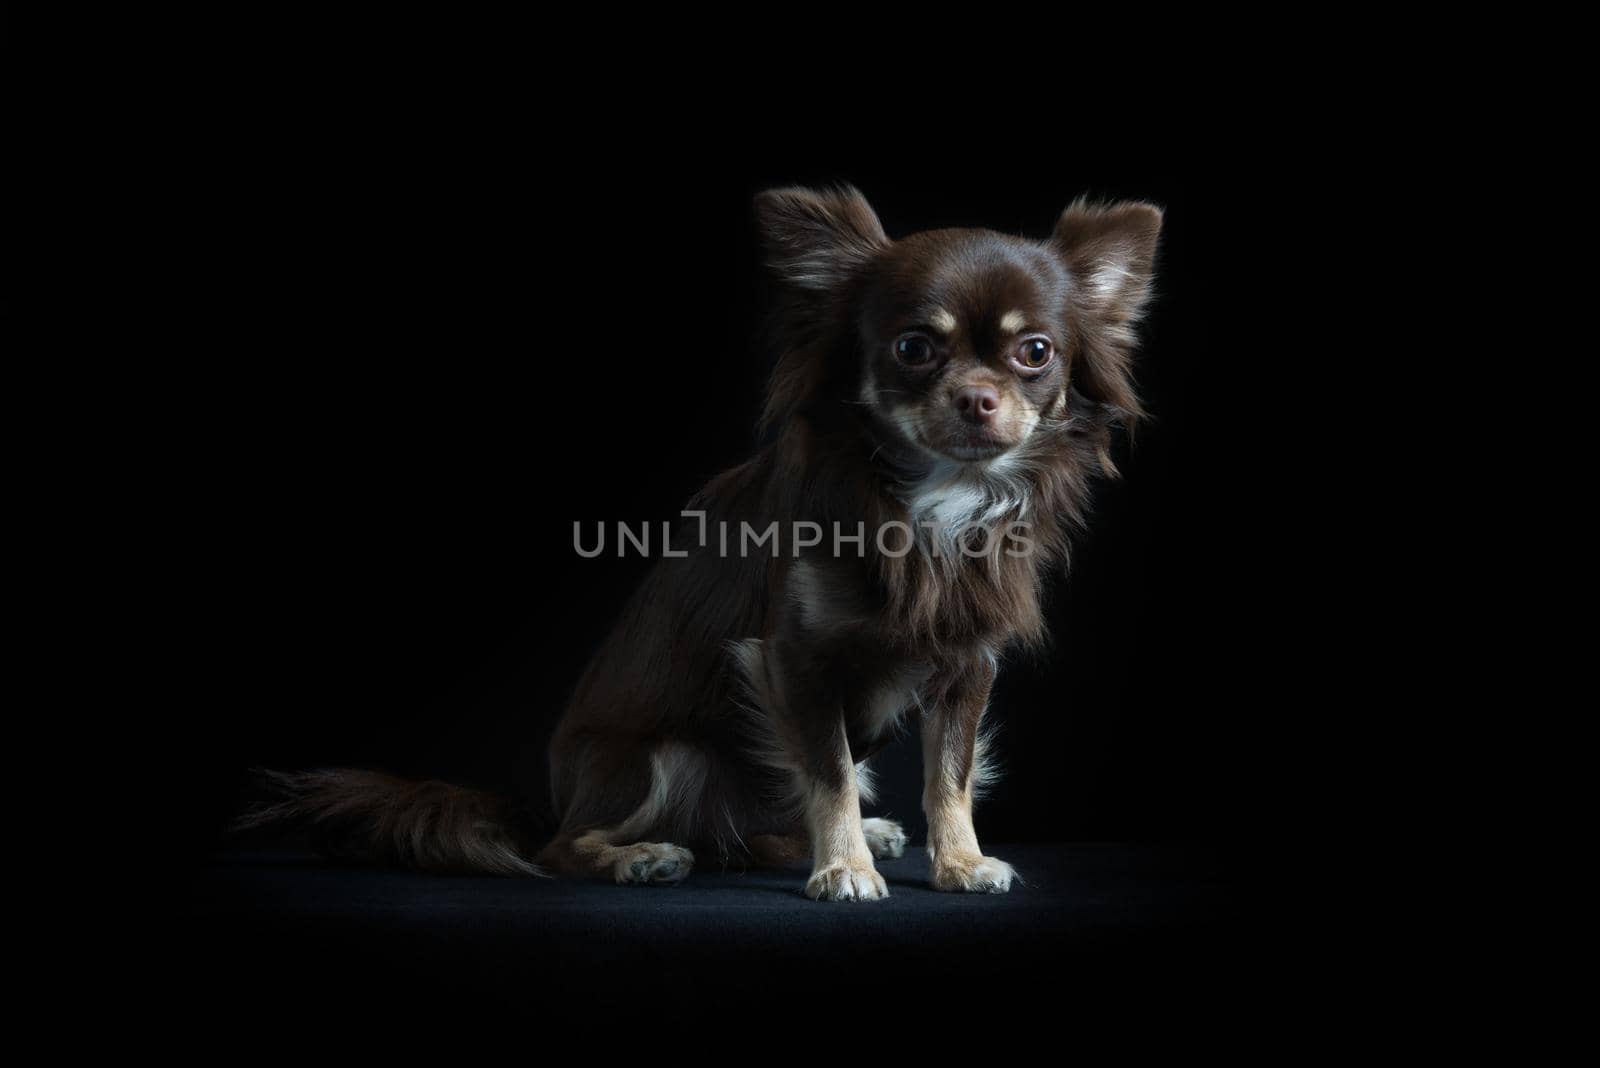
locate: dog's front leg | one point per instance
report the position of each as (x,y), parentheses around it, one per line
(949,764)
(842,868)
(812,728)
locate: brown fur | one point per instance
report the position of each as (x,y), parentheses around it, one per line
(736,695)
(367,815)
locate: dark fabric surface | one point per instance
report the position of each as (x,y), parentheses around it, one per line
(1122,922)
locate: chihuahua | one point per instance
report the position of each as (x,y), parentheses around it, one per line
(941,403)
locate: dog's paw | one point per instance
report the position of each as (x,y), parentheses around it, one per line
(652,863)
(884,838)
(973,875)
(844,882)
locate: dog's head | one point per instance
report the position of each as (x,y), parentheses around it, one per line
(962,344)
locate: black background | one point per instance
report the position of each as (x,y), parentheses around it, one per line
(423,300)
(448,323)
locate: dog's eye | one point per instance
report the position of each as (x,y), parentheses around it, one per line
(913,349)
(1035,352)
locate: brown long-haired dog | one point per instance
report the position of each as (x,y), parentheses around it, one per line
(940,406)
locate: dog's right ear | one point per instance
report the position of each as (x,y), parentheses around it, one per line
(816,239)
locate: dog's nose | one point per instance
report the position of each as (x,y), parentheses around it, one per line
(978,404)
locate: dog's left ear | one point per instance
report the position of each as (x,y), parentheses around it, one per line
(1110,250)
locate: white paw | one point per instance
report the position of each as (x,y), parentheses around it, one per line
(842,882)
(974,875)
(884,838)
(658,863)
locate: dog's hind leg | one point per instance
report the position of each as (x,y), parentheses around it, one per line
(626,852)
(594,853)
(886,840)
(778,850)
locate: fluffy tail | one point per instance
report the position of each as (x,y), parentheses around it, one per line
(369,816)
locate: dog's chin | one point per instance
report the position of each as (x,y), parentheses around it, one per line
(974,446)
(974,452)
(962,445)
